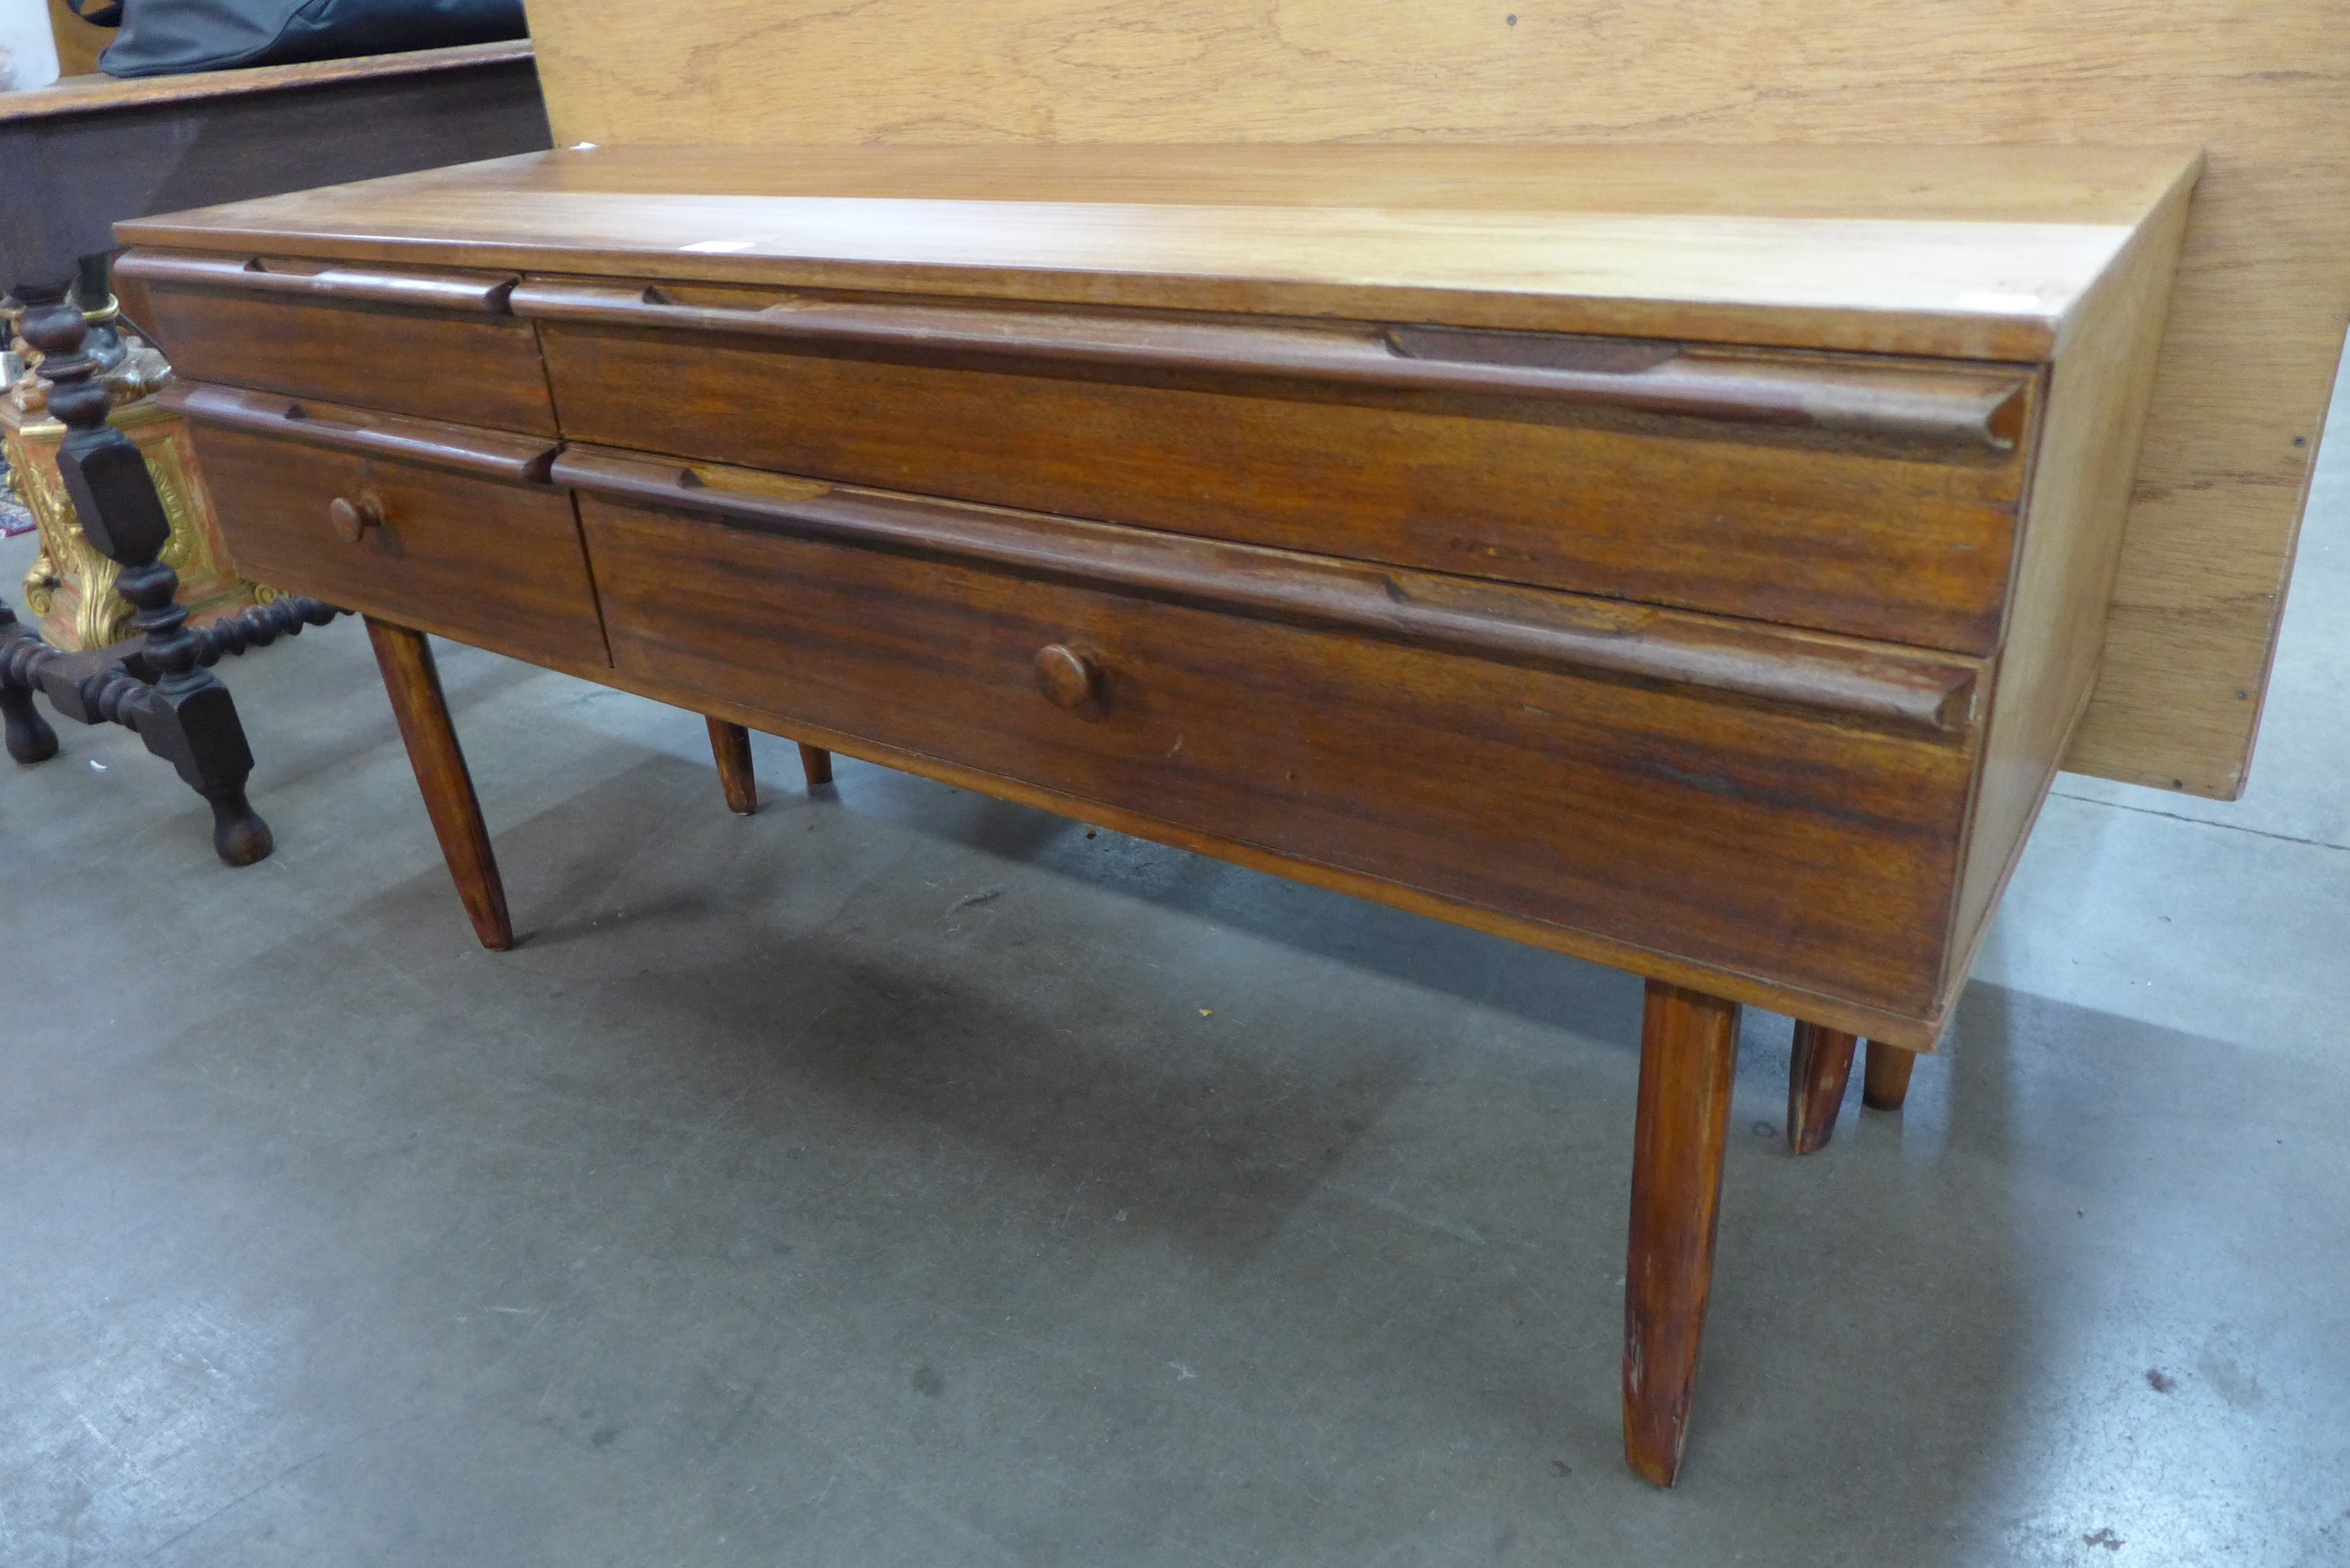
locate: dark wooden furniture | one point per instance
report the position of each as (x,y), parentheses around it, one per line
(1709,589)
(158,683)
(78,155)
(81,153)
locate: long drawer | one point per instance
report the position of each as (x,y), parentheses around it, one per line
(430,524)
(1778,802)
(1855,493)
(430,342)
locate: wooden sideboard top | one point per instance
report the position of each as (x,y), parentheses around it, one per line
(1984,253)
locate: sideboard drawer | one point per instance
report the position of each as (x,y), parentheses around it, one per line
(1845,493)
(1777,803)
(431,342)
(431,525)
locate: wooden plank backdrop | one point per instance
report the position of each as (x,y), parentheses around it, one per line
(78,43)
(2257,317)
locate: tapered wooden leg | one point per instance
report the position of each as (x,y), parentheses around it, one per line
(1688,1044)
(730,744)
(413,683)
(817,763)
(1884,1083)
(1816,1075)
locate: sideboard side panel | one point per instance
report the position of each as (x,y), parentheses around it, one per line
(2065,572)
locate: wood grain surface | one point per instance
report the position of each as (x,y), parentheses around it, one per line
(1895,251)
(2258,317)
(1801,523)
(1762,843)
(1865,684)
(1913,1033)
(472,294)
(79,43)
(437,443)
(85,94)
(2065,564)
(412,681)
(1931,404)
(1849,812)
(730,747)
(1818,1069)
(497,565)
(1885,1082)
(1688,1051)
(470,365)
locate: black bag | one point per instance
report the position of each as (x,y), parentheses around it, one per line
(164,37)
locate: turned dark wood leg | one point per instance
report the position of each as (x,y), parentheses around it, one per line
(181,712)
(730,744)
(102,685)
(1816,1075)
(413,683)
(1689,1044)
(1885,1082)
(817,764)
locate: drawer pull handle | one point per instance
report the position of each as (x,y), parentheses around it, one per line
(1909,690)
(1939,406)
(352,519)
(491,454)
(459,292)
(1068,677)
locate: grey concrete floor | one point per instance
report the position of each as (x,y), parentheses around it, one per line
(900,1177)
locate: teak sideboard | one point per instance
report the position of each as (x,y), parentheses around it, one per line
(1691,559)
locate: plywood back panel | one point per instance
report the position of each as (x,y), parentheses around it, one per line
(79,42)
(2257,316)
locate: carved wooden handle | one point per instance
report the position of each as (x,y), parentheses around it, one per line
(491,454)
(1068,677)
(1911,690)
(1930,405)
(352,519)
(477,294)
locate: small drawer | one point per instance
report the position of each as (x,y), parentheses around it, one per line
(1780,803)
(431,525)
(1854,494)
(429,342)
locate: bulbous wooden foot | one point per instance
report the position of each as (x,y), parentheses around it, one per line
(1816,1075)
(239,835)
(1884,1083)
(30,739)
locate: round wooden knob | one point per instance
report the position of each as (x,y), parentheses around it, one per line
(1067,677)
(353,518)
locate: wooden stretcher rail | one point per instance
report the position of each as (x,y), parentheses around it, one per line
(1880,687)
(359,286)
(1940,406)
(491,454)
